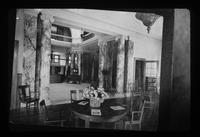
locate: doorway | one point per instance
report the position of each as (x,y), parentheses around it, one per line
(140,74)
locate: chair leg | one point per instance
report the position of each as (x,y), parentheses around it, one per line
(119,124)
(62,123)
(27,109)
(76,122)
(87,123)
(38,108)
(126,124)
(70,117)
(140,126)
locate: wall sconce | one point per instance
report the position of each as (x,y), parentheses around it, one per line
(148,19)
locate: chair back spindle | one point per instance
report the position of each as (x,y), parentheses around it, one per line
(24,92)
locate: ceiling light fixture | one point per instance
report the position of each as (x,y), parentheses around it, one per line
(148,19)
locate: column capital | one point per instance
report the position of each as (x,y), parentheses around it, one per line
(121,37)
(102,42)
(45,16)
(76,50)
(117,38)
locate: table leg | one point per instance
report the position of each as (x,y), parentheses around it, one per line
(119,124)
(76,121)
(103,125)
(87,123)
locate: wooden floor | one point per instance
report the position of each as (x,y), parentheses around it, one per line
(149,121)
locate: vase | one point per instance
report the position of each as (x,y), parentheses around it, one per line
(95,102)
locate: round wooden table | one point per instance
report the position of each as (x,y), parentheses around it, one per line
(108,115)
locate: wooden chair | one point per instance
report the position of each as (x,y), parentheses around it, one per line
(25,97)
(120,124)
(136,119)
(136,90)
(148,101)
(151,89)
(52,118)
(133,89)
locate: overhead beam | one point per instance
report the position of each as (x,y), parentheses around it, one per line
(96,26)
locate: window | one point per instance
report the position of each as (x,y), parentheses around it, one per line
(70,59)
(62,62)
(56,58)
(151,69)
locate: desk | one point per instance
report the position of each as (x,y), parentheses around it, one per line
(108,115)
(74,78)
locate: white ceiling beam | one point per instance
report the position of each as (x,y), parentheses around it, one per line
(76,20)
(90,23)
(70,24)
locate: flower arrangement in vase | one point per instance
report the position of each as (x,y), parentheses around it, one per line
(96,96)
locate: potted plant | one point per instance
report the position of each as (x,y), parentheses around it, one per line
(95,96)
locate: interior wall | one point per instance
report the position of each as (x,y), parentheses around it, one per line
(180,96)
(147,48)
(19,35)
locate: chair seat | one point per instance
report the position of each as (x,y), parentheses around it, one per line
(29,100)
(133,122)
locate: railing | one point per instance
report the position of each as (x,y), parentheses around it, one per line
(68,38)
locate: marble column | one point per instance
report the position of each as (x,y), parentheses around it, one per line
(130,64)
(38,54)
(45,57)
(81,57)
(72,60)
(120,65)
(125,65)
(79,63)
(101,45)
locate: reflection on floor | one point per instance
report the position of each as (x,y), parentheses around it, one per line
(60,92)
(149,121)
